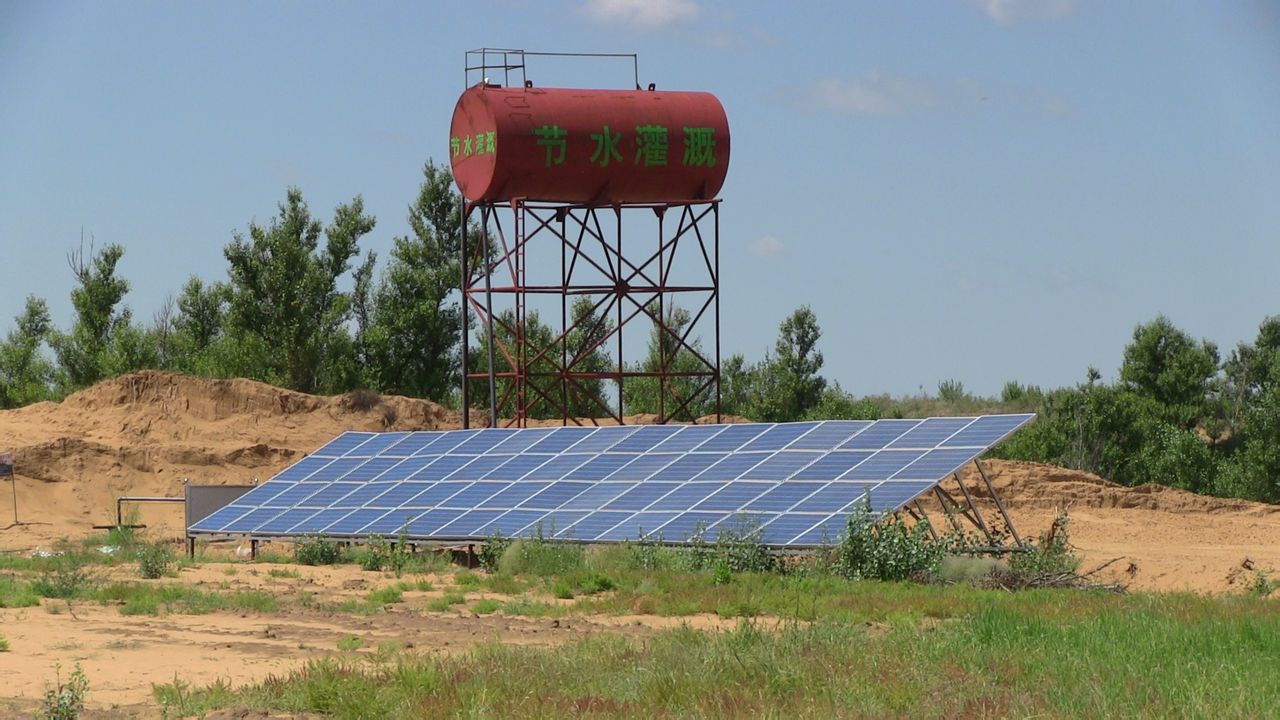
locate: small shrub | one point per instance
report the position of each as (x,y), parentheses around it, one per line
(317,550)
(594,582)
(722,575)
(1051,555)
(1262,585)
(65,577)
(379,554)
(741,550)
(562,590)
(363,400)
(350,643)
(65,701)
(154,561)
(534,556)
(649,555)
(885,550)
(486,607)
(4,644)
(492,550)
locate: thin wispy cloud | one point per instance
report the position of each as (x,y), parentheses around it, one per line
(887,94)
(642,14)
(766,246)
(877,93)
(1009,12)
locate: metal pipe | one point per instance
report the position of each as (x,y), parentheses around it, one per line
(464,212)
(488,307)
(141,499)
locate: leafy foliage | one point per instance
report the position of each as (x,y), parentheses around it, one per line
(408,324)
(685,394)
(65,700)
(786,385)
(284,296)
(26,375)
(885,549)
(1052,554)
(317,550)
(153,561)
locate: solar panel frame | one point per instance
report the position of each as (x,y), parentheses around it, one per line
(790,482)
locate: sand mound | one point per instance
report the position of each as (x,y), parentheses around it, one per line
(145,433)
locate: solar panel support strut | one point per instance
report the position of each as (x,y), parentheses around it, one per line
(969,510)
(1008,521)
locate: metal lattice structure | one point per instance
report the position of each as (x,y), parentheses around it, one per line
(633,287)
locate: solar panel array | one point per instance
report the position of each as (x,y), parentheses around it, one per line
(795,483)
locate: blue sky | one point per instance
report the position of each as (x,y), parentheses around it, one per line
(984,191)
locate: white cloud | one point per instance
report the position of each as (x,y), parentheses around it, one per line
(1008,12)
(766,246)
(643,14)
(879,94)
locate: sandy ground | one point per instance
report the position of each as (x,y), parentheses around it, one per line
(144,434)
(125,655)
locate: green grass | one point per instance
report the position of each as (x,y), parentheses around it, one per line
(446,601)
(4,644)
(350,643)
(526,607)
(486,607)
(282,573)
(504,584)
(145,599)
(419,585)
(467,579)
(1052,653)
(15,593)
(386,596)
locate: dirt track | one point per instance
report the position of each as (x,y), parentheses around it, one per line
(143,434)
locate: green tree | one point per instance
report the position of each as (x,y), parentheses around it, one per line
(102,340)
(541,386)
(409,322)
(26,375)
(585,350)
(1166,365)
(201,318)
(786,385)
(688,393)
(285,310)
(1252,368)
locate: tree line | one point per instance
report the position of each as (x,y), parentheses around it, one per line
(1178,414)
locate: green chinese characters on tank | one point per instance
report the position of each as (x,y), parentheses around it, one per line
(484,142)
(651,142)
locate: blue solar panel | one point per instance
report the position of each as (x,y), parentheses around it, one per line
(342,444)
(879,435)
(930,432)
(794,483)
(374,446)
(604,439)
(646,438)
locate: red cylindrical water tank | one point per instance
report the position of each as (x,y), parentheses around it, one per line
(588,146)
